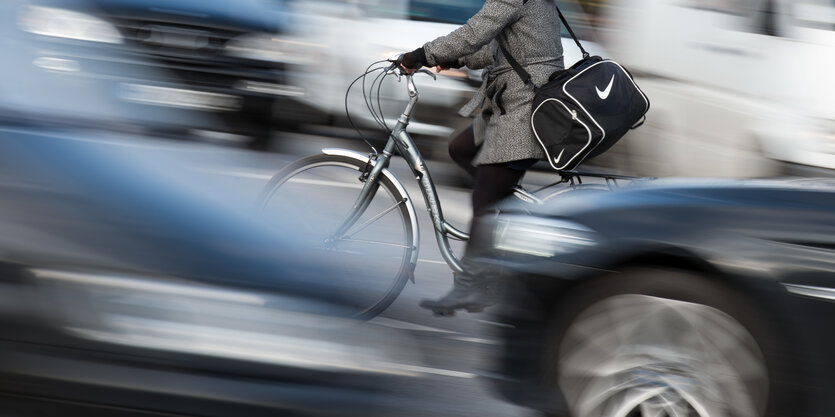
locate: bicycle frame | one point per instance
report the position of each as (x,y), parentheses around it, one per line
(400,141)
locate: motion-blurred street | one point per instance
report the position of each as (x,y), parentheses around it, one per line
(145,272)
(454,351)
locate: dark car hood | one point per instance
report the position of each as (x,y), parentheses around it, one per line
(759,221)
(261,15)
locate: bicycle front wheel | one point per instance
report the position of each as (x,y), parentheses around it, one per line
(375,252)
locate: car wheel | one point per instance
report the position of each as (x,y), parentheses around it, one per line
(658,343)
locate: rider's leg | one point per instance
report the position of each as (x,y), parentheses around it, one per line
(494,183)
(474,290)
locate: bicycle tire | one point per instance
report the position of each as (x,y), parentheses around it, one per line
(333,175)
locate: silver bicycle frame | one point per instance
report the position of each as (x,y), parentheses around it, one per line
(401,141)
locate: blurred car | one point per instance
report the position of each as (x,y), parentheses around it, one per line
(166,60)
(338,40)
(335,41)
(135,282)
(668,298)
(129,287)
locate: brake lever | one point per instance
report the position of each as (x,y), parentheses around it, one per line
(394,69)
(426,71)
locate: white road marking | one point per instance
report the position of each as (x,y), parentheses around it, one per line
(242,174)
(253,175)
(431,261)
(436,371)
(469,339)
(495,323)
(404,325)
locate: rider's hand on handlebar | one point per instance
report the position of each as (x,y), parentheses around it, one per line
(412,61)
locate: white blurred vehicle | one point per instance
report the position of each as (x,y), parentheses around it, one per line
(738,88)
(335,41)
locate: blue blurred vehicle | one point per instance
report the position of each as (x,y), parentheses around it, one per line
(134,284)
(162,62)
(128,289)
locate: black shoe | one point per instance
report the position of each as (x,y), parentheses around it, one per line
(468,293)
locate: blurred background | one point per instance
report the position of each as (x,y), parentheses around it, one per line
(738,89)
(134,135)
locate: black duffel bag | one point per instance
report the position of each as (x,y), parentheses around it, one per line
(584,110)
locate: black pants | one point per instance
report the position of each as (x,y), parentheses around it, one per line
(493,182)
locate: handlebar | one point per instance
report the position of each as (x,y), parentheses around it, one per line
(397,69)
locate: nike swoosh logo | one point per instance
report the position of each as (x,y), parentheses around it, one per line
(558,157)
(605,93)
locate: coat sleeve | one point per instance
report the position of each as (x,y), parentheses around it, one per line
(472,36)
(480,59)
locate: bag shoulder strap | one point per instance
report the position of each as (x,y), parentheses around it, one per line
(571,32)
(524,75)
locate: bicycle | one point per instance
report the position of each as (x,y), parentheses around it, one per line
(392,213)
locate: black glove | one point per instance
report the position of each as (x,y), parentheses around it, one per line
(413,60)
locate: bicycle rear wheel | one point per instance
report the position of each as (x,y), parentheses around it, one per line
(375,253)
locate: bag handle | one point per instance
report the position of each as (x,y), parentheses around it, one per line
(524,75)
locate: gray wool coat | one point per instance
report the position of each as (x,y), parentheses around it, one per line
(502,106)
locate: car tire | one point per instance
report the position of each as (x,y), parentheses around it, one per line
(656,342)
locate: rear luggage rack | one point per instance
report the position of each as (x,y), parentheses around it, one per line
(576,177)
(572,180)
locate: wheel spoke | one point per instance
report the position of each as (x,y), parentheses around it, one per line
(632,399)
(652,410)
(374,242)
(374,250)
(370,221)
(638,355)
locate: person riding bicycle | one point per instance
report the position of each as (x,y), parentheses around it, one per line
(500,145)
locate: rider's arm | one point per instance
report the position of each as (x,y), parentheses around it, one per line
(472,36)
(480,59)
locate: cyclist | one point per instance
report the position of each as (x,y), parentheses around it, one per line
(500,145)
